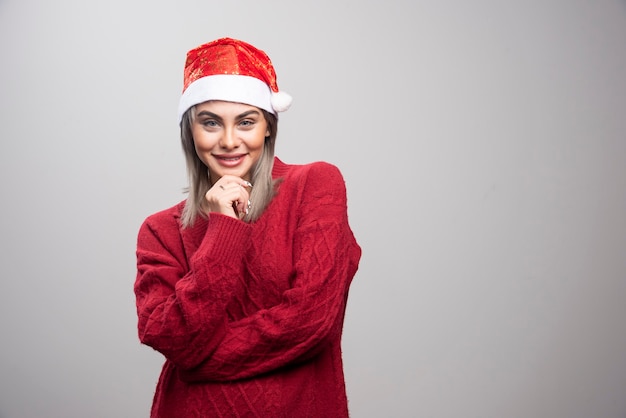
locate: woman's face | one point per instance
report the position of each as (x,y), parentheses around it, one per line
(229,137)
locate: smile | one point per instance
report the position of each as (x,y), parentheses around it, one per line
(229,160)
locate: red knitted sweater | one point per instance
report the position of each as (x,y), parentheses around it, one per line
(249,316)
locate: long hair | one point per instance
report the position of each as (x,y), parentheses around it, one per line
(264,187)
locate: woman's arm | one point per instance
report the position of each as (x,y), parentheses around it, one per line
(181,311)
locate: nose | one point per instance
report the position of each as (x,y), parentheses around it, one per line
(229,139)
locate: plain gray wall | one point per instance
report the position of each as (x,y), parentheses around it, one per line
(484,148)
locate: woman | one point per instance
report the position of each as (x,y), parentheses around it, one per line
(243,286)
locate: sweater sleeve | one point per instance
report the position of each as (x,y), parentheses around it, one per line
(181,310)
(311,312)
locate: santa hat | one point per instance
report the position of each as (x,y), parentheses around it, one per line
(231,70)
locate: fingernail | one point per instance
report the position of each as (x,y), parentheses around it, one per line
(247,183)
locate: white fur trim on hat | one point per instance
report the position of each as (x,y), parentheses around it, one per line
(230,88)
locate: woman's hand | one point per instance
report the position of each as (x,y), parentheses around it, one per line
(229,196)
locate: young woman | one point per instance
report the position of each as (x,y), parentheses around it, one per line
(243,286)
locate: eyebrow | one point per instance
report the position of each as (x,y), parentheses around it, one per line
(215,116)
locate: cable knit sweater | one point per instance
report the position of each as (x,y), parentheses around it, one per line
(249,316)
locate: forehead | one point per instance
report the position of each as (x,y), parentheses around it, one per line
(224,107)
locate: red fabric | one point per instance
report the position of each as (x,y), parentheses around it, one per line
(250,316)
(229,56)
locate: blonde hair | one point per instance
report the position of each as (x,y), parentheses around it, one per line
(264,187)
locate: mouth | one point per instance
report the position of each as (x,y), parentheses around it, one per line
(229,160)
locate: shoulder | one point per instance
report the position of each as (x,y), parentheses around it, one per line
(315,172)
(163,221)
(318,180)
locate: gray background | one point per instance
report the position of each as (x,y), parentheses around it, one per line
(483,145)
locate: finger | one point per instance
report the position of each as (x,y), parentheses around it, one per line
(230,196)
(222,199)
(243,204)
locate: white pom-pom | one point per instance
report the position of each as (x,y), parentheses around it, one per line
(281,101)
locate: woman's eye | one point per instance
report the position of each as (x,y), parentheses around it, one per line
(210,123)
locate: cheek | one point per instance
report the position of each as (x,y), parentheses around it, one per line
(198,147)
(259,141)
(202,142)
(258,146)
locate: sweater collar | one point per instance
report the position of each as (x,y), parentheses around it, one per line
(279,169)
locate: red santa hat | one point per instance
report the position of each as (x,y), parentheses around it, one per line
(231,70)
